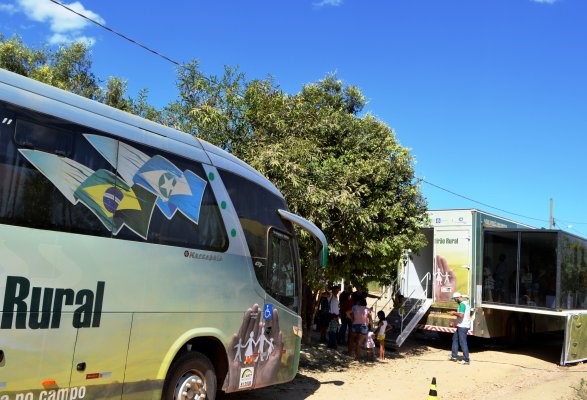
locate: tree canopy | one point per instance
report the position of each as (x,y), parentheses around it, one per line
(70,68)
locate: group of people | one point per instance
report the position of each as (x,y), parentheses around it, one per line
(345,319)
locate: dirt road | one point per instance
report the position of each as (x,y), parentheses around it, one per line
(496,372)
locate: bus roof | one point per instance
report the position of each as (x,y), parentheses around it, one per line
(47,99)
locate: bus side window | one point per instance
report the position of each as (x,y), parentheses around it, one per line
(39,137)
(27,196)
(9,172)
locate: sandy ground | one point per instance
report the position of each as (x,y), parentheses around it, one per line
(530,372)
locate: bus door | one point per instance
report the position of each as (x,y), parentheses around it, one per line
(100,354)
(283,289)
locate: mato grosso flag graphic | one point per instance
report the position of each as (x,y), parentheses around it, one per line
(128,197)
(175,190)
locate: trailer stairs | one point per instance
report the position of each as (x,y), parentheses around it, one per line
(405,314)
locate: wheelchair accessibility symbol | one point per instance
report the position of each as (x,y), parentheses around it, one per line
(268,311)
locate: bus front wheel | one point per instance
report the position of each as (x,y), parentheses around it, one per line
(191,377)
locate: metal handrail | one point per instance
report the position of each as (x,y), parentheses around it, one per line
(374,305)
(418,303)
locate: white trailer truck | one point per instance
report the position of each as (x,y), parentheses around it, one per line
(519,280)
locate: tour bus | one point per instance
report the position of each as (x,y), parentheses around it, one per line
(137,261)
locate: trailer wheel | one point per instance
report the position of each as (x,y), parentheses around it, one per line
(191,377)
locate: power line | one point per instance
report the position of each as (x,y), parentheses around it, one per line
(496,208)
(478,202)
(574,222)
(569,226)
(116,33)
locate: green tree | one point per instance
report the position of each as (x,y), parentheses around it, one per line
(210,107)
(15,56)
(69,67)
(72,71)
(114,96)
(345,172)
(142,108)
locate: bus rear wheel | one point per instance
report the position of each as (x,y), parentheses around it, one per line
(191,377)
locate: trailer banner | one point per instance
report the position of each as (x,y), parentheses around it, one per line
(451,263)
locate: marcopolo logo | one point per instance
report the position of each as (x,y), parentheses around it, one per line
(201,256)
(41,307)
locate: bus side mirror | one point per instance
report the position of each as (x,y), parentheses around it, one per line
(324,256)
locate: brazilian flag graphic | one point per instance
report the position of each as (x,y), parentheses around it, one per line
(105,195)
(137,220)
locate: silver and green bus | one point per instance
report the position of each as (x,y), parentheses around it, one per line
(136,261)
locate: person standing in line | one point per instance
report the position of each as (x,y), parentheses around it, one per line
(362,322)
(332,332)
(346,303)
(324,315)
(359,293)
(462,324)
(333,301)
(397,313)
(382,329)
(334,323)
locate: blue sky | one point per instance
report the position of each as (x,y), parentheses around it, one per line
(489,95)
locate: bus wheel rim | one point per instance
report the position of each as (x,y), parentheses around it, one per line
(190,386)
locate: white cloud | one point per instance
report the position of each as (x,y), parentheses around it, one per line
(60,38)
(8,8)
(545,1)
(65,25)
(332,3)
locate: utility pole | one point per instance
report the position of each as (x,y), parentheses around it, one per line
(551,220)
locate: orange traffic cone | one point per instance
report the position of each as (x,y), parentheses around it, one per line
(432,392)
